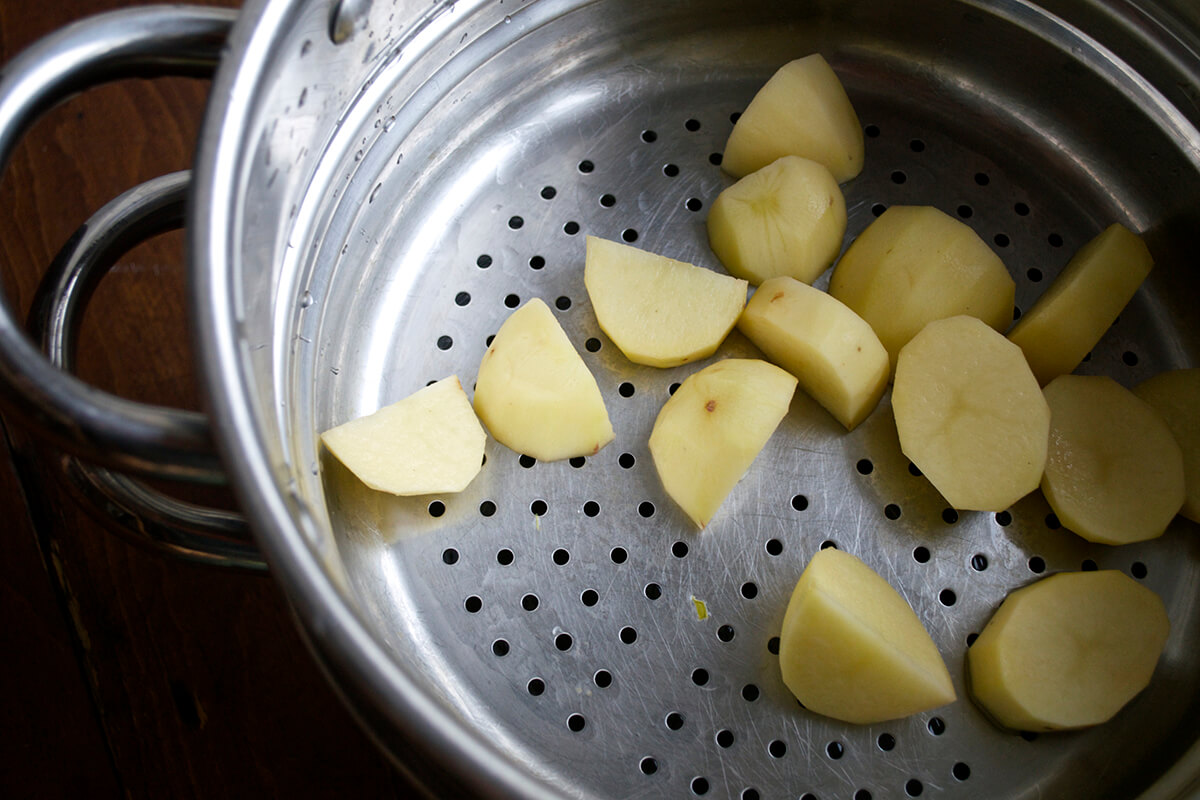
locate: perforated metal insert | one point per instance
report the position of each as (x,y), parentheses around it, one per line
(569,610)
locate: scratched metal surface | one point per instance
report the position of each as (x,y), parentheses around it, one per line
(568,610)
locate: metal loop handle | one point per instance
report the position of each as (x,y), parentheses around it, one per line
(185,530)
(97,426)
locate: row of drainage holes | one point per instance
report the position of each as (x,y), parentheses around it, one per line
(538,508)
(561,556)
(700,785)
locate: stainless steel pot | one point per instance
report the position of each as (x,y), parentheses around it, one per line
(380,183)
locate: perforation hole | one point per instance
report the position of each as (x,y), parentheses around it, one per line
(576,723)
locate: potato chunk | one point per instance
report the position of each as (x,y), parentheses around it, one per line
(803,110)
(787,218)
(1083,301)
(915,264)
(831,350)
(970,414)
(535,394)
(1068,651)
(659,311)
(1114,472)
(710,431)
(1175,395)
(430,442)
(851,648)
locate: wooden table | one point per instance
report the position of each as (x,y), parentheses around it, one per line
(124,673)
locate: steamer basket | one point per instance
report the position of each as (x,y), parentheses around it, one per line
(561,628)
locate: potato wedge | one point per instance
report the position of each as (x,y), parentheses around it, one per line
(803,110)
(1068,651)
(1114,472)
(970,414)
(1068,320)
(428,443)
(535,394)
(853,649)
(658,311)
(788,218)
(915,264)
(710,431)
(832,351)
(1175,395)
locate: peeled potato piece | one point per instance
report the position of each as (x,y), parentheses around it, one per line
(787,218)
(1068,651)
(831,350)
(915,264)
(659,311)
(710,431)
(535,394)
(803,110)
(851,648)
(1175,395)
(430,442)
(1114,472)
(970,414)
(1083,301)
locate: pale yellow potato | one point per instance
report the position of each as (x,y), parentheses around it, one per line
(428,443)
(709,432)
(787,218)
(832,351)
(915,264)
(535,394)
(659,311)
(1068,651)
(970,414)
(853,649)
(803,110)
(1114,472)
(1175,395)
(1081,304)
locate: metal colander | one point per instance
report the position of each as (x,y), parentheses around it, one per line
(567,615)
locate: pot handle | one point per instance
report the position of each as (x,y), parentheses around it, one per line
(143,514)
(38,391)
(143,42)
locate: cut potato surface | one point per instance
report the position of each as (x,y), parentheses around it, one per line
(1114,472)
(1083,301)
(535,394)
(1175,395)
(1068,651)
(915,264)
(831,350)
(803,110)
(709,432)
(659,311)
(787,218)
(851,648)
(970,414)
(429,442)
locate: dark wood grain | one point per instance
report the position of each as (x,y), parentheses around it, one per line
(125,673)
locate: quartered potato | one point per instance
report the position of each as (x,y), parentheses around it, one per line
(916,264)
(787,218)
(710,431)
(1114,472)
(535,394)
(659,311)
(803,110)
(430,442)
(851,648)
(1068,651)
(1083,301)
(970,414)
